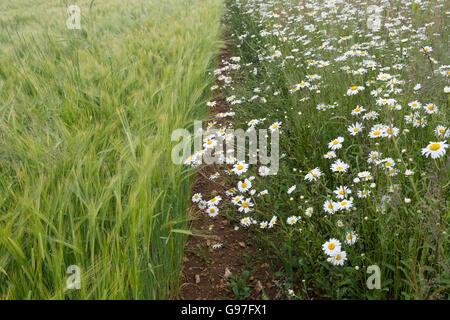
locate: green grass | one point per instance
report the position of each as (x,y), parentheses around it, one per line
(408,241)
(85,122)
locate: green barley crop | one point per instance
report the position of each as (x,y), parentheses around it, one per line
(85,122)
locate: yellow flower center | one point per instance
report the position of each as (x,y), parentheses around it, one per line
(339,168)
(435,146)
(245,204)
(355,88)
(376,133)
(331,246)
(240,167)
(244,185)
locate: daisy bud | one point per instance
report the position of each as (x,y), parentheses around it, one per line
(356,268)
(407,200)
(356,180)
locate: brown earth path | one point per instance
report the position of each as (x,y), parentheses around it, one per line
(206,271)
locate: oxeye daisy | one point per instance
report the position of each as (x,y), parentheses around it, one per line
(363,193)
(292,220)
(435,149)
(377,131)
(214,201)
(275,126)
(237,199)
(415,104)
(374,156)
(217,245)
(342,192)
(345,204)
(230,192)
(246,221)
(391,132)
(202,204)
(212,211)
(245,185)
(245,205)
(313,174)
(331,247)
(330,155)
(196,197)
(430,108)
(261,193)
(210,143)
(339,166)
(442,132)
(309,211)
(330,206)
(338,258)
(263,224)
(387,162)
(336,143)
(354,90)
(350,238)
(239,168)
(355,128)
(358,110)
(272,221)
(365,175)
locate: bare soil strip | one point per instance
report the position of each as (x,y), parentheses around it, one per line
(206,271)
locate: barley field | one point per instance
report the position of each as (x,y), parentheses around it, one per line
(85,123)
